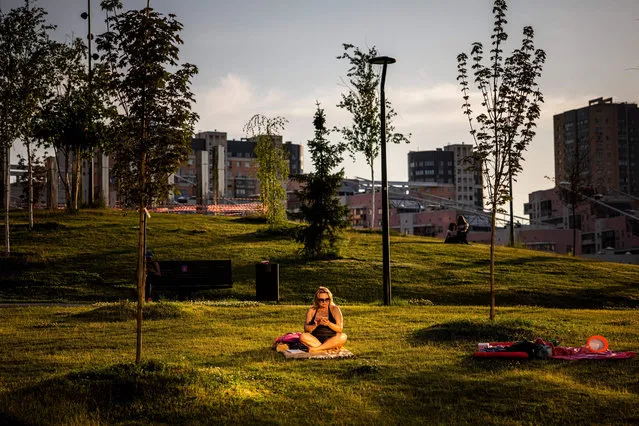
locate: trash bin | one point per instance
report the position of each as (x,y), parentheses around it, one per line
(267,282)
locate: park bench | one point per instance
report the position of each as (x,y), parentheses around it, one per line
(185,277)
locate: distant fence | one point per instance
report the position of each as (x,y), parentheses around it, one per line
(238,208)
(241,209)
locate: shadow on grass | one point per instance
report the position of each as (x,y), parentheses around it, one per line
(40,227)
(464,396)
(127,311)
(51,285)
(147,392)
(518,261)
(466,331)
(420,243)
(595,298)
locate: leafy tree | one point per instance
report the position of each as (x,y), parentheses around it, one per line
(320,206)
(9,123)
(510,100)
(33,54)
(38,178)
(362,102)
(578,184)
(73,120)
(273,167)
(25,79)
(152,133)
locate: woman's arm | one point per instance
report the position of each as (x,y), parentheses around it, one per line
(308,325)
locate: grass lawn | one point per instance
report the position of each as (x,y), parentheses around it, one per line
(91,257)
(210,361)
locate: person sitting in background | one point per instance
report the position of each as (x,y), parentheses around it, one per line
(462,230)
(451,234)
(152,271)
(324,323)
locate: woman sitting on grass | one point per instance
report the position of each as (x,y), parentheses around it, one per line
(323,325)
(462,230)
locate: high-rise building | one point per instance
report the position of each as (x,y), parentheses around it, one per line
(603,138)
(431,166)
(295,158)
(448,166)
(469,183)
(232,165)
(241,169)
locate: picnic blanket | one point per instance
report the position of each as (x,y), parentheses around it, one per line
(540,349)
(299,354)
(566,352)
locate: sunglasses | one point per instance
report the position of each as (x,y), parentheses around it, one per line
(319,299)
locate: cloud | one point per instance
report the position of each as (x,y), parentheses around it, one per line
(431,112)
(231,103)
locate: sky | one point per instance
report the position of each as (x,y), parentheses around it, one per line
(278,57)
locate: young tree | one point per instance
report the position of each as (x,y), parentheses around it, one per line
(26,80)
(8,120)
(272,165)
(33,53)
(362,102)
(152,134)
(578,184)
(74,119)
(510,100)
(320,207)
(38,179)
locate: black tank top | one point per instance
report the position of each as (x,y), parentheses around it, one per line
(323,332)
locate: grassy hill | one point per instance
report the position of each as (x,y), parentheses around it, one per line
(91,256)
(211,362)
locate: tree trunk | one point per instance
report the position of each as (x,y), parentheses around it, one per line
(76,175)
(7,196)
(141,264)
(373,198)
(64,179)
(141,279)
(511,240)
(30,183)
(492,262)
(574,231)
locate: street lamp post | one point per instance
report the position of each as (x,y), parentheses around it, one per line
(384,61)
(87,15)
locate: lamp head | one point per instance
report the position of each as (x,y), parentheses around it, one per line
(381,60)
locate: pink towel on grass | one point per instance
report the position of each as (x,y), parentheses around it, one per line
(563,352)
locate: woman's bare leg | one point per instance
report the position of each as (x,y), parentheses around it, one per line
(309,340)
(338,340)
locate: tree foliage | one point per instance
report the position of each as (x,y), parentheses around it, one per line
(320,207)
(38,178)
(25,80)
(273,167)
(362,101)
(9,122)
(510,99)
(578,184)
(75,119)
(152,133)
